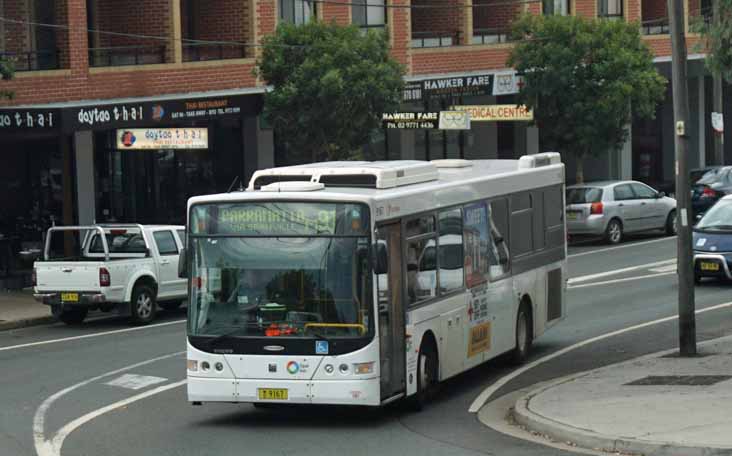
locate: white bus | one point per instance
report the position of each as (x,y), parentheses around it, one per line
(364,282)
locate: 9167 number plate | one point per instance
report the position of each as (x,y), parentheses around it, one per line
(272,394)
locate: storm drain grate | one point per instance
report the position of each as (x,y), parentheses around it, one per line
(681,380)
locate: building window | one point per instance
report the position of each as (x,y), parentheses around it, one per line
(556,7)
(611,9)
(296,12)
(369,14)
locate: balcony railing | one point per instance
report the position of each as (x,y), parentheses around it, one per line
(126,55)
(34,60)
(657,26)
(435,39)
(198,52)
(491,35)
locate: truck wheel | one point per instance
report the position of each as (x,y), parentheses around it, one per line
(170,305)
(71,316)
(143,304)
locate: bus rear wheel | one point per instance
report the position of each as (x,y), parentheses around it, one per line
(524,335)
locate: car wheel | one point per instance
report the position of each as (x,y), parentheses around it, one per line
(170,305)
(524,337)
(71,316)
(427,373)
(672,224)
(143,304)
(614,232)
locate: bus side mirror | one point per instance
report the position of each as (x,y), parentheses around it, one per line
(182,264)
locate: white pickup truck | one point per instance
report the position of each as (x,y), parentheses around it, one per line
(127,268)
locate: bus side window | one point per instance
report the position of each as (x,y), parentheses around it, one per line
(450,250)
(554,216)
(500,257)
(421,259)
(522,242)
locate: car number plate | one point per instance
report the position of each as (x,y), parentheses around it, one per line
(572,216)
(70,297)
(707,266)
(272,394)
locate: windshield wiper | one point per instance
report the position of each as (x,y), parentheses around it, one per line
(228,335)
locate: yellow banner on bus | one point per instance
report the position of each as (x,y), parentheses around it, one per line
(480,339)
(496,113)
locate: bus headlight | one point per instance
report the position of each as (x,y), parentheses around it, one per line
(363,368)
(192,365)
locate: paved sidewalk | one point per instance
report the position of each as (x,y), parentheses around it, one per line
(659,404)
(19,309)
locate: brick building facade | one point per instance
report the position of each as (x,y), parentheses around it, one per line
(197,54)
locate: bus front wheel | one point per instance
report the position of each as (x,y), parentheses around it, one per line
(524,334)
(427,375)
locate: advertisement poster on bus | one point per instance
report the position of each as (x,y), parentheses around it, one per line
(475,233)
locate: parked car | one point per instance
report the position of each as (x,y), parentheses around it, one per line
(127,268)
(712,242)
(613,208)
(710,188)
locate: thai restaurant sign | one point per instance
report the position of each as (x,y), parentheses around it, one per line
(496,113)
(162,138)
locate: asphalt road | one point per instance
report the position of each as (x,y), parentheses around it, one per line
(54,394)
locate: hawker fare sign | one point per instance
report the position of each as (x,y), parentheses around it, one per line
(162,138)
(458,86)
(496,113)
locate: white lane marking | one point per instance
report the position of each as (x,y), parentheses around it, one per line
(43,446)
(488,392)
(588,277)
(608,249)
(87,336)
(58,439)
(669,268)
(136,382)
(626,279)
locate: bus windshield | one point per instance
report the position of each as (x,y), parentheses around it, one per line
(280,270)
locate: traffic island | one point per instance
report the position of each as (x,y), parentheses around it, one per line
(660,404)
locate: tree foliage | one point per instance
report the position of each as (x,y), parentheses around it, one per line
(717,40)
(581,78)
(7,70)
(330,86)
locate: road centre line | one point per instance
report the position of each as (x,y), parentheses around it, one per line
(480,401)
(588,277)
(68,428)
(625,279)
(87,336)
(45,447)
(618,247)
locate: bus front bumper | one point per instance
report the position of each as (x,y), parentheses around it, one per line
(338,391)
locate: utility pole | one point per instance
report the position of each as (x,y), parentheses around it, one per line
(717,97)
(687,322)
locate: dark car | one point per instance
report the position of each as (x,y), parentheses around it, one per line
(713,185)
(712,242)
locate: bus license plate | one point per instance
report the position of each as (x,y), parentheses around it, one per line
(707,266)
(70,297)
(272,394)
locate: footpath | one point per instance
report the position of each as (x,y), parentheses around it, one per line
(659,404)
(18,309)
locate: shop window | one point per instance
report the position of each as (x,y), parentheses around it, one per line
(610,9)
(555,7)
(165,242)
(369,14)
(296,12)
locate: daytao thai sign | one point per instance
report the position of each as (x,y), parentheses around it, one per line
(151,113)
(162,138)
(493,113)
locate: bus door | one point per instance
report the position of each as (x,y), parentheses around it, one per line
(391,309)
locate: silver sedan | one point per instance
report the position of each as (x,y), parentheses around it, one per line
(614,208)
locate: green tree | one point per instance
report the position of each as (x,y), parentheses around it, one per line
(581,78)
(330,86)
(7,69)
(717,40)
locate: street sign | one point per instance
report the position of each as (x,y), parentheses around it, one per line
(454,120)
(718,122)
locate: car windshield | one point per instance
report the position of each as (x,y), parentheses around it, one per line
(312,285)
(719,217)
(581,195)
